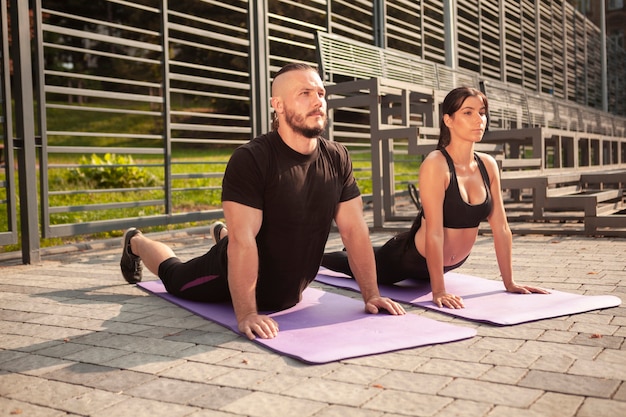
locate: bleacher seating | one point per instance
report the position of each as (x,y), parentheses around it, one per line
(544,144)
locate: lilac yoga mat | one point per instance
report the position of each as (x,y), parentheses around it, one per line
(485,300)
(326,327)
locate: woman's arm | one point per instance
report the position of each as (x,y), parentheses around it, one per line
(502,235)
(434,179)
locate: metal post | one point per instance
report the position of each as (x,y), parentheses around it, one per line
(166,108)
(11,237)
(379,18)
(449,27)
(25,130)
(259,67)
(39,82)
(538,64)
(603,56)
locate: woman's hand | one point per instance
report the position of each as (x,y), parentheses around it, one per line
(443,299)
(525,289)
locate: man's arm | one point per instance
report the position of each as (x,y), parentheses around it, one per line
(355,236)
(243,225)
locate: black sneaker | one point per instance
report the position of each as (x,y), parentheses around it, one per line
(216,230)
(130,263)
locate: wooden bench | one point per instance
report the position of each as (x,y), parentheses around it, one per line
(603,179)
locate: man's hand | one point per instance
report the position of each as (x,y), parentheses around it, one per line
(374,304)
(443,299)
(260,325)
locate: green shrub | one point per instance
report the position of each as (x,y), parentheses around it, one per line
(111,171)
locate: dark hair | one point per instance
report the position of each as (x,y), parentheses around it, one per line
(451,104)
(296,66)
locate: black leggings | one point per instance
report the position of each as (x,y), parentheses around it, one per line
(200,279)
(396,260)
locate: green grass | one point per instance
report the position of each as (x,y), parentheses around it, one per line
(193,194)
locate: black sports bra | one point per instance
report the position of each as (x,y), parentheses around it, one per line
(458,214)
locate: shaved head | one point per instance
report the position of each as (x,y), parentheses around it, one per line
(298,100)
(278,85)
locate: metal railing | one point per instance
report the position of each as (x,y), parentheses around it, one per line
(171,84)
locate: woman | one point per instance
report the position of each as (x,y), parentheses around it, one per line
(459,188)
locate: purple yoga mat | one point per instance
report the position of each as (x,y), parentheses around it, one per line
(326,327)
(485,299)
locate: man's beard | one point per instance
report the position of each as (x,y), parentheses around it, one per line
(296,123)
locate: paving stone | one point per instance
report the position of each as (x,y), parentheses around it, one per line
(21,408)
(464,408)
(507,411)
(9,356)
(555,404)
(61,350)
(144,363)
(553,363)
(280,383)
(504,375)
(610,370)
(139,407)
(194,371)
(459,352)
(549,348)
(80,373)
(557,336)
(612,355)
(413,382)
(35,364)
(491,392)
(52,393)
(594,407)
(215,397)
(403,403)
(206,354)
(168,390)
(511,332)
(11,383)
(498,344)
(395,361)
(516,359)
(96,355)
(91,402)
(341,411)
(598,339)
(332,392)
(358,374)
(594,328)
(120,380)
(454,368)
(260,404)
(570,384)
(620,395)
(242,378)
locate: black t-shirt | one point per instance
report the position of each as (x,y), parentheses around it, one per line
(298,195)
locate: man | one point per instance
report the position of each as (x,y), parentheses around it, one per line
(280,193)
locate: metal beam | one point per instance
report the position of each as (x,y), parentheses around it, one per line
(25,129)
(259,67)
(449,27)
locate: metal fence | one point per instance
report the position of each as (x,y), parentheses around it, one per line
(124,113)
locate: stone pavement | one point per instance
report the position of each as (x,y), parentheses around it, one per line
(75,339)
